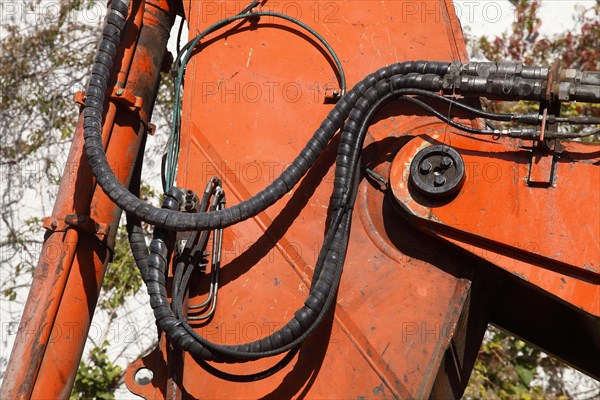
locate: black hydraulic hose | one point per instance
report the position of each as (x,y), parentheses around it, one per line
(182,262)
(354,112)
(329,266)
(519,132)
(447,119)
(137,242)
(315,309)
(578,119)
(330,263)
(285,339)
(461,106)
(350,141)
(175,220)
(350,145)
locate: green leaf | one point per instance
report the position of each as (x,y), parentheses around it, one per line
(97,378)
(525,374)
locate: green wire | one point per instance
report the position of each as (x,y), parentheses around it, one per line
(183,58)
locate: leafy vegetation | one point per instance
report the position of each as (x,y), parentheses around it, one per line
(98,378)
(44,60)
(524,43)
(506,367)
(46,50)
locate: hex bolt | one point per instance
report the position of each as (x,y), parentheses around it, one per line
(440,180)
(120,91)
(425,167)
(446,162)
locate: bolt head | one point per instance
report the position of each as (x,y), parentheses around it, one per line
(446,162)
(440,180)
(119,91)
(425,167)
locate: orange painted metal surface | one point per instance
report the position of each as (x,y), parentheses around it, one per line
(252,98)
(547,236)
(411,310)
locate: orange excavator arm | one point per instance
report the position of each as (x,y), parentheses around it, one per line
(338,221)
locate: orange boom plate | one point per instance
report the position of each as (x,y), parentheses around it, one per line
(411,310)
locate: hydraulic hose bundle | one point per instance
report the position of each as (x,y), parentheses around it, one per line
(351,116)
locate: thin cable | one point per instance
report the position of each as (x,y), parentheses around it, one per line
(194,249)
(215,266)
(336,238)
(449,116)
(182,60)
(462,106)
(251,377)
(447,119)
